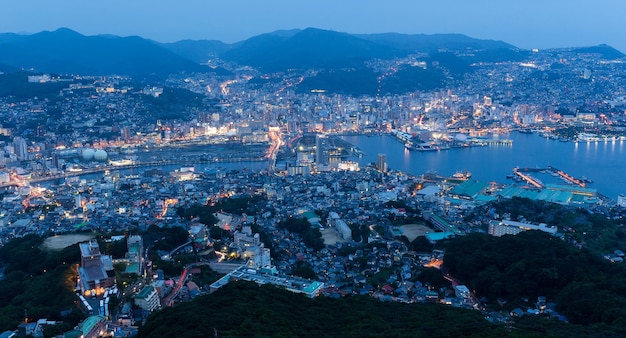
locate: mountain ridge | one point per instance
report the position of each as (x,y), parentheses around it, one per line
(433,42)
(307,48)
(64,51)
(67,51)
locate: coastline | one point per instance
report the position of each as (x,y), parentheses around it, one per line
(599,161)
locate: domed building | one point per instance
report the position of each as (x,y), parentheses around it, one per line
(100,155)
(88,154)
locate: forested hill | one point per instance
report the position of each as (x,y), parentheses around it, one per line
(243,309)
(586,288)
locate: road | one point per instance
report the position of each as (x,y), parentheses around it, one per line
(274,147)
(179,247)
(169,300)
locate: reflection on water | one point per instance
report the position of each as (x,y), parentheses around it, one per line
(603,162)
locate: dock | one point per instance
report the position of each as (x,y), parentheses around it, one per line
(531,180)
(522,173)
(567,177)
(489,142)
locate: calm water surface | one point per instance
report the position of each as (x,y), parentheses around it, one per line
(602,162)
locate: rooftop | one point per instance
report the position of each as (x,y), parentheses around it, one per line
(90,323)
(291,283)
(145,292)
(437,236)
(469,188)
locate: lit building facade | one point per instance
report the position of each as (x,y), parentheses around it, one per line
(148,299)
(95,272)
(382,162)
(506,227)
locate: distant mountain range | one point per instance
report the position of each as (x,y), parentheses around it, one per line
(309,48)
(429,43)
(317,48)
(606,51)
(65,51)
(198,51)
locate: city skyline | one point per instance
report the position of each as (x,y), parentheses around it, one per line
(458,180)
(535,25)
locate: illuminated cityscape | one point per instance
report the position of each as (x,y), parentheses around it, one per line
(327,179)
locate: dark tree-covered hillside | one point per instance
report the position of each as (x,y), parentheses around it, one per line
(243,309)
(38,281)
(587,289)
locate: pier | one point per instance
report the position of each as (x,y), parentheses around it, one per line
(567,177)
(521,172)
(531,180)
(489,142)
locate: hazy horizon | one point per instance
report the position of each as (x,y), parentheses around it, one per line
(534,24)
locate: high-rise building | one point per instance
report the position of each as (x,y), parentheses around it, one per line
(148,299)
(125,134)
(96,270)
(55,160)
(20,148)
(135,254)
(321,149)
(382,162)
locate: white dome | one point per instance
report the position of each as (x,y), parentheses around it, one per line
(461,137)
(88,154)
(100,155)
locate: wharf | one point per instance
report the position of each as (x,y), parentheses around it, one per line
(567,177)
(522,173)
(489,142)
(531,180)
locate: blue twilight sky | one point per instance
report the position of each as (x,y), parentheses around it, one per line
(524,23)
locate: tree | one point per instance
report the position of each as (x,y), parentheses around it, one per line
(117,249)
(218,233)
(432,277)
(278,312)
(304,270)
(35,279)
(421,244)
(311,236)
(587,289)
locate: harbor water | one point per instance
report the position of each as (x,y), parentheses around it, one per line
(602,162)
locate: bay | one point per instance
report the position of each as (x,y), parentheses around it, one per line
(603,162)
